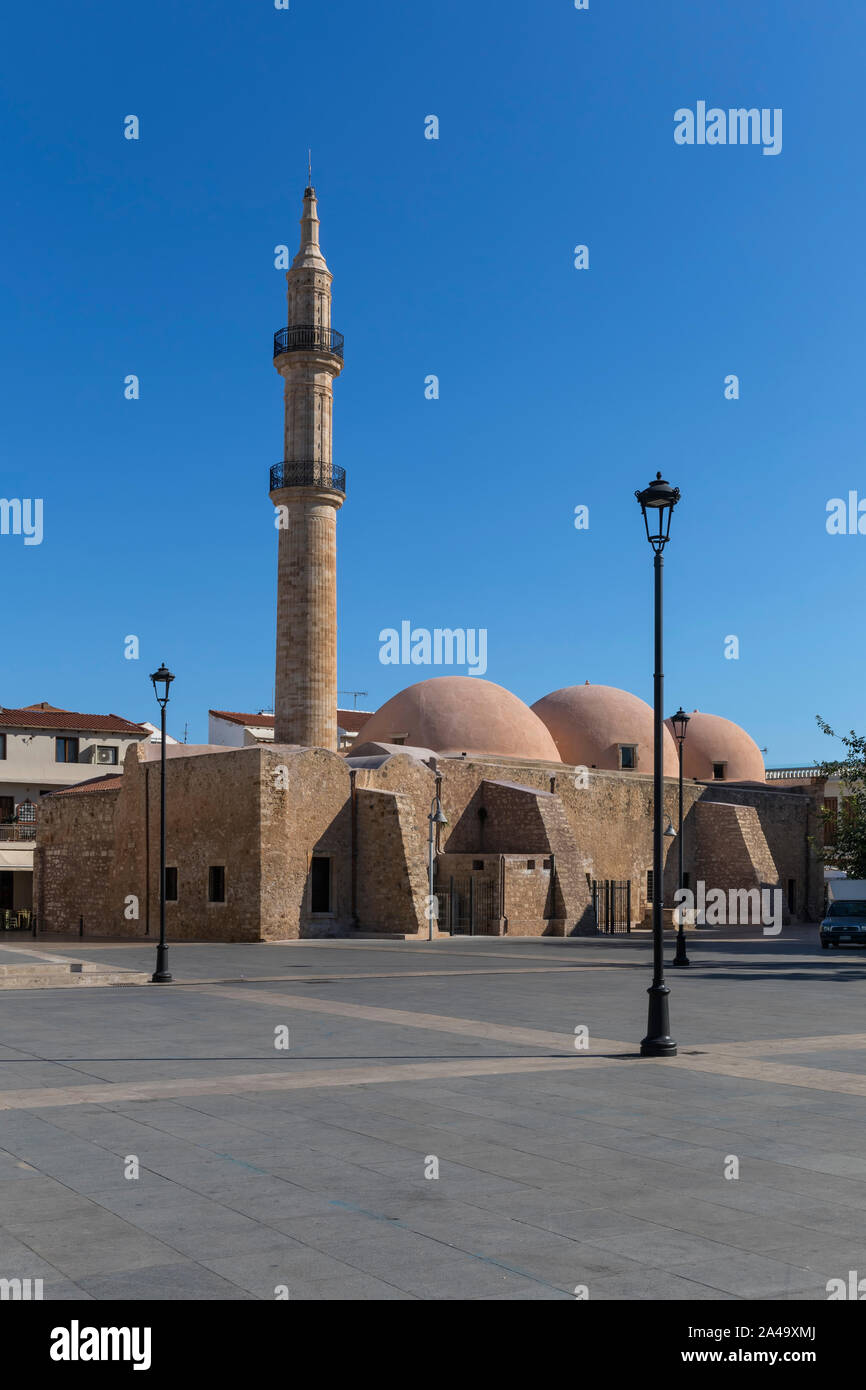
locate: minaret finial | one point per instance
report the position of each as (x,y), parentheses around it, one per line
(309,168)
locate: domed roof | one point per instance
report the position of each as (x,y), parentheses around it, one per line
(710,740)
(461,714)
(590,724)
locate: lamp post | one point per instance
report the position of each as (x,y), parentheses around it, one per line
(679,723)
(162,679)
(436,817)
(657,504)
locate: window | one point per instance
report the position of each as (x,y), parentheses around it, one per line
(216,883)
(107,753)
(719,771)
(171,885)
(628,756)
(478,863)
(2,746)
(530,863)
(320,884)
(545,864)
(792,895)
(649,886)
(66,750)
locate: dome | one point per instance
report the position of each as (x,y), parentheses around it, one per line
(592,725)
(711,740)
(461,714)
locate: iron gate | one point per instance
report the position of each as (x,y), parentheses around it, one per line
(466,905)
(611,901)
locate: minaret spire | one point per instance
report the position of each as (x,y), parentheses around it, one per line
(308,354)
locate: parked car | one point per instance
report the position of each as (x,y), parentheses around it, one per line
(845,918)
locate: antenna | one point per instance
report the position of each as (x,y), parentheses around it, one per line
(354,694)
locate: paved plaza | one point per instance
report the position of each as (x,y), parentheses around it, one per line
(309,1171)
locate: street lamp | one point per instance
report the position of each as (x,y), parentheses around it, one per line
(679,723)
(162,679)
(657,504)
(436,817)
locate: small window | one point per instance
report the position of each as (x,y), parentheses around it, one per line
(649,886)
(792,895)
(628,757)
(171,885)
(66,750)
(477,863)
(2,746)
(216,883)
(107,753)
(545,864)
(320,884)
(398,738)
(719,771)
(26,813)
(530,863)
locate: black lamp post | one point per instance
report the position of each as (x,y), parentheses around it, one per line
(679,723)
(657,503)
(162,679)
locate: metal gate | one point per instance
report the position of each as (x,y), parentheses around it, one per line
(466,905)
(611,901)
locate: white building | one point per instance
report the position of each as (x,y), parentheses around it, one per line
(43,748)
(234,729)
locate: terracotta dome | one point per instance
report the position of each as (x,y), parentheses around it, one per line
(461,714)
(592,724)
(711,740)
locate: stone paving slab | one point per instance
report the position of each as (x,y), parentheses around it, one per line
(555,1169)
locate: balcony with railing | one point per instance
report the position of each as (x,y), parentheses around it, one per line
(308,337)
(308,474)
(11,832)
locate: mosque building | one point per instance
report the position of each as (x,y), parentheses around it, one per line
(548,809)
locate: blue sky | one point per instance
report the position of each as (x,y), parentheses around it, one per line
(558,387)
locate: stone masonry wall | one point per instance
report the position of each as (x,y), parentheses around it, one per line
(73,858)
(392,884)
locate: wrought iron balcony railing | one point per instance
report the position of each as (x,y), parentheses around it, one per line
(288,474)
(308,337)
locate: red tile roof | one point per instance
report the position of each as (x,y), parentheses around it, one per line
(48,717)
(353,719)
(110,782)
(349,719)
(259,721)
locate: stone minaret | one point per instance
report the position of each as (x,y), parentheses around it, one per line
(308,354)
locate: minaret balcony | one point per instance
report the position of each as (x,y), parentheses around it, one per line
(308,337)
(319,474)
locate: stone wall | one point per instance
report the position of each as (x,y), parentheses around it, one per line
(392,883)
(264,812)
(73,860)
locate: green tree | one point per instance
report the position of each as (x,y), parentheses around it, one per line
(848,850)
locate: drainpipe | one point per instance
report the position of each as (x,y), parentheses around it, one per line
(354,832)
